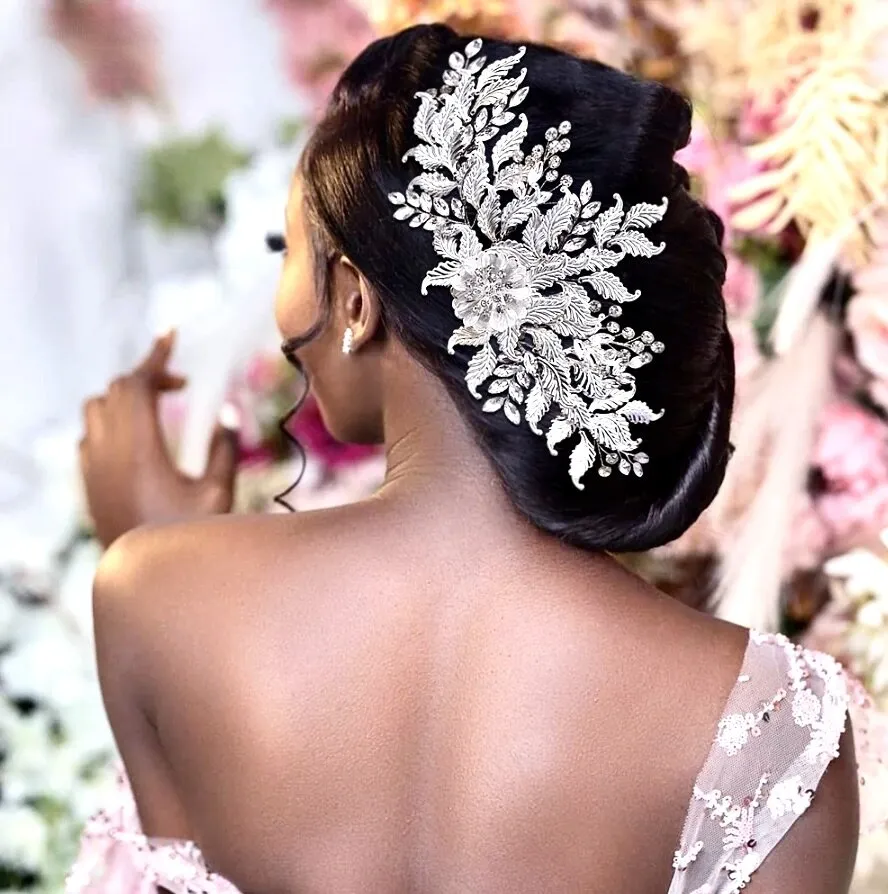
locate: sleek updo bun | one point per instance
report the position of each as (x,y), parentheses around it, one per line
(624,136)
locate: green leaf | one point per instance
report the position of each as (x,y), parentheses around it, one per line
(289,131)
(183,181)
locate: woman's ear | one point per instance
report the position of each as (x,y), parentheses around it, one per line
(357,305)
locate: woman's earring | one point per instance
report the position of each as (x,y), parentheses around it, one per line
(347,339)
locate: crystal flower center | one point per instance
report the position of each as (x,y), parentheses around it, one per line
(492,292)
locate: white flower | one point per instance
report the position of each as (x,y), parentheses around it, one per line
(23,838)
(74,596)
(492,292)
(254,201)
(805,708)
(873,614)
(29,749)
(85,725)
(788,796)
(47,663)
(8,613)
(864,573)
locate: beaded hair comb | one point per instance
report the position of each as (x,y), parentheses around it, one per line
(529,273)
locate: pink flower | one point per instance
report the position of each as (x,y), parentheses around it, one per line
(530,16)
(759,118)
(852,453)
(308,428)
(852,448)
(248,405)
(699,155)
(850,515)
(809,539)
(747,356)
(829,631)
(591,29)
(321,37)
(114,43)
(265,373)
(879,392)
(868,322)
(255,456)
(742,289)
(720,166)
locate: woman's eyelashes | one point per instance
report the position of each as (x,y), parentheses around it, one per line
(276,243)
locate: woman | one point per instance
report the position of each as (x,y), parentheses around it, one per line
(493,264)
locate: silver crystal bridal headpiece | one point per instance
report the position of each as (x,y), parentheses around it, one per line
(520,272)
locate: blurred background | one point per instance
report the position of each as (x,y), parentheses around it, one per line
(147,150)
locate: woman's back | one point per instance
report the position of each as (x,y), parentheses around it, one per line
(334,726)
(452,687)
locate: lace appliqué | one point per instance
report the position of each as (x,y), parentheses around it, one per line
(787,796)
(827,727)
(736,819)
(764,765)
(735,729)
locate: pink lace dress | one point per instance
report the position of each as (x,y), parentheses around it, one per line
(779,731)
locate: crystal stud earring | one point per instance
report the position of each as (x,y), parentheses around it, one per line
(347,339)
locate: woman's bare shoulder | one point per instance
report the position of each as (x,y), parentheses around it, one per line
(217,571)
(199,553)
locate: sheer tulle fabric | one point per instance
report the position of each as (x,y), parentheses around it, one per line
(116,858)
(778,732)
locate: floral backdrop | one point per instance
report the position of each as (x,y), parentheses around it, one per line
(789,146)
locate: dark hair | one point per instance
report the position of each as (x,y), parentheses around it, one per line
(625,132)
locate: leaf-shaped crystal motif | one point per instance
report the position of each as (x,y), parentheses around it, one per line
(522,264)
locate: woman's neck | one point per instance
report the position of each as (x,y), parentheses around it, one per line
(432,453)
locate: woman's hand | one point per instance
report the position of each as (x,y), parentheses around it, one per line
(129,476)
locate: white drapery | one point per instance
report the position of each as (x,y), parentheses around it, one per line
(76,274)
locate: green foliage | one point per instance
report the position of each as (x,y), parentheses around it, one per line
(183,181)
(13,880)
(772,266)
(289,131)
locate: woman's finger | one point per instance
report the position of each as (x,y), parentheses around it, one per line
(158,357)
(92,412)
(170,382)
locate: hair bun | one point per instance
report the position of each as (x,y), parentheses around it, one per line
(624,135)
